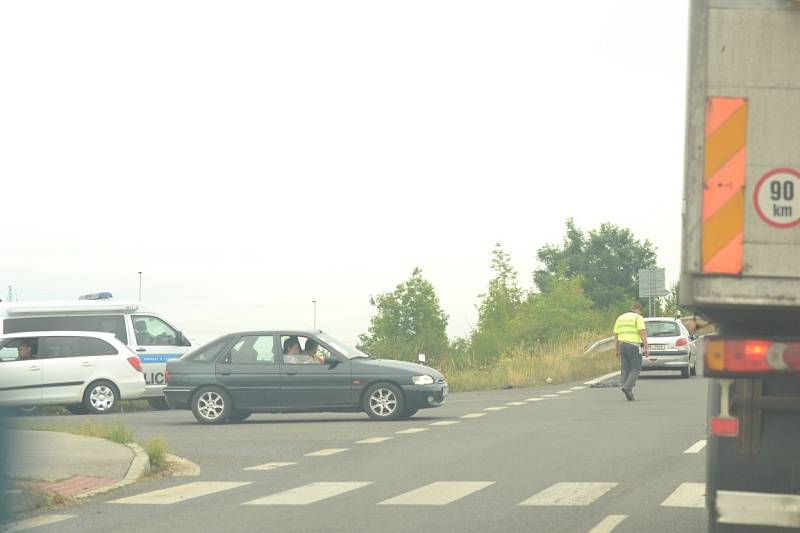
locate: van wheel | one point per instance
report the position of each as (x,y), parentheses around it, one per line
(101,398)
(384,401)
(211,405)
(158,404)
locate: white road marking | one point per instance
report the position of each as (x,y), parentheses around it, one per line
(609,523)
(180,493)
(687,495)
(549,395)
(310,493)
(696,447)
(39,521)
(411,431)
(438,493)
(758,509)
(445,423)
(374,440)
(515,403)
(601,378)
(474,415)
(565,392)
(534,399)
(326,452)
(500,408)
(581,388)
(570,494)
(270,466)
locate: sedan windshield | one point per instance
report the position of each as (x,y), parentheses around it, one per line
(662,329)
(343,348)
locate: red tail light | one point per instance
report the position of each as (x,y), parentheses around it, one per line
(135,363)
(166,376)
(750,356)
(682,342)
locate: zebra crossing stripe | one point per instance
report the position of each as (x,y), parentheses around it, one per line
(270,466)
(445,423)
(180,493)
(474,415)
(374,440)
(326,452)
(311,493)
(496,408)
(609,523)
(31,523)
(411,431)
(570,494)
(687,495)
(697,447)
(438,493)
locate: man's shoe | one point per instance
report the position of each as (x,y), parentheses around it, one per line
(628,394)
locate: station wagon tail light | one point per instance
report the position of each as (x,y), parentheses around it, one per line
(166,376)
(135,363)
(683,341)
(750,356)
(422,380)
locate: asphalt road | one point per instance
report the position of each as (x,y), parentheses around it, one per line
(559,459)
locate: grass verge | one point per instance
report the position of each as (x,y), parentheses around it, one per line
(563,361)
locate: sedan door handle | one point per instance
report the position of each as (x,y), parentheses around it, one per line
(141,349)
(225,372)
(37,367)
(87,364)
(291,373)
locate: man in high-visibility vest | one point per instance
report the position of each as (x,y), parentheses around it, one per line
(630,335)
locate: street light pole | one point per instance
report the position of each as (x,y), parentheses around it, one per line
(315,313)
(140,286)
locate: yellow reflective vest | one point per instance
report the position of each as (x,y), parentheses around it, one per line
(627,327)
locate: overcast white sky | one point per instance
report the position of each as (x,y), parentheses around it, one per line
(250,157)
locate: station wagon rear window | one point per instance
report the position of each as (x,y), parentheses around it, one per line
(662,329)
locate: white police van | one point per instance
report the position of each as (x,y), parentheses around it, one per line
(147,334)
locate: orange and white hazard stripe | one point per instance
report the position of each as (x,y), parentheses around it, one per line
(724,177)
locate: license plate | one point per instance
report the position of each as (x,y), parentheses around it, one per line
(445,391)
(658,347)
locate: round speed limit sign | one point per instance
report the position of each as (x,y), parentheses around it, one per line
(777,198)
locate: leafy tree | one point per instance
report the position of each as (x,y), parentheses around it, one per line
(409,321)
(670,305)
(607,260)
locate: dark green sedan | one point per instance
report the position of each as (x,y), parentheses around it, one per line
(295,372)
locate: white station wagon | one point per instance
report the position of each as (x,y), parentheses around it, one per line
(84,371)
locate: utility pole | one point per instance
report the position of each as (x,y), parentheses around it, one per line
(140,286)
(10,295)
(315,313)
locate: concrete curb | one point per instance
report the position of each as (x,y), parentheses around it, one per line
(140,466)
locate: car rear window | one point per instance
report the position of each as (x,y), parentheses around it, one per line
(662,329)
(106,323)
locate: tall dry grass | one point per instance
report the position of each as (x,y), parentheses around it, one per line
(563,360)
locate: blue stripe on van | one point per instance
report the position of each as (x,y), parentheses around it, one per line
(158,357)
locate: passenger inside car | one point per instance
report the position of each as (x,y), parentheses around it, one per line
(26,350)
(143,336)
(311,351)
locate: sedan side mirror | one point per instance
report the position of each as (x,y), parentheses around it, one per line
(331,361)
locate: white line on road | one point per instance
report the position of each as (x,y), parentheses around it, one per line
(534,399)
(310,493)
(565,392)
(609,523)
(687,495)
(445,423)
(474,415)
(187,491)
(39,521)
(515,403)
(326,452)
(374,440)
(696,447)
(581,388)
(270,466)
(601,378)
(438,493)
(411,431)
(570,494)
(496,408)
(549,395)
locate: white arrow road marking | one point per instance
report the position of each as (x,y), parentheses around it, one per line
(180,493)
(687,495)
(326,452)
(270,466)
(696,447)
(570,494)
(438,493)
(609,523)
(310,493)
(39,521)
(374,440)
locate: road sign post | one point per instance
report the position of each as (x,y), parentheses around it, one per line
(652,284)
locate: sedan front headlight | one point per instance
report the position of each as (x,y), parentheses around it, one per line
(422,380)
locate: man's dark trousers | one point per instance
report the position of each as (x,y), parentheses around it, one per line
(631,365)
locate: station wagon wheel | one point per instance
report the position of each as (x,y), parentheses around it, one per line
(101,398)
(211,405)
(384,401)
